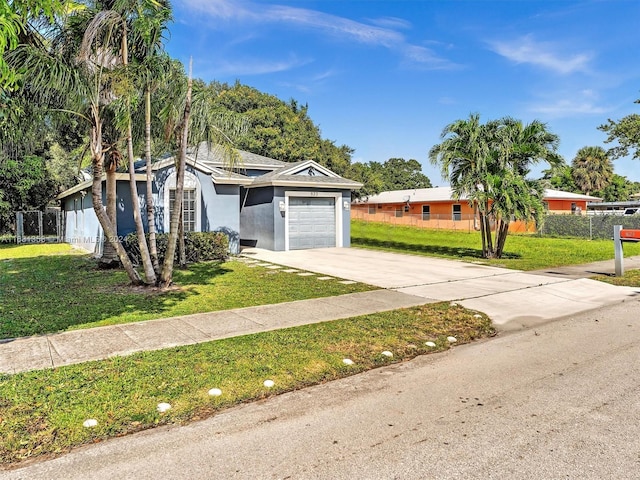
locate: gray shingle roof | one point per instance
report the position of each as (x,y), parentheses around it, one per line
(284,176)
(214,156)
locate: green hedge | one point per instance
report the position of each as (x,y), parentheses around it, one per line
(199,246)
(586,226)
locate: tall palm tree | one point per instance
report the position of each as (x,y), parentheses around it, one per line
(464,157)
(488,163)
(592,169)
(82,86)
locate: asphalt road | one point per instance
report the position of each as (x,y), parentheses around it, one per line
(558,401)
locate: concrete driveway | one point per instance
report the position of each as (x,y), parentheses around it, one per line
(512,298)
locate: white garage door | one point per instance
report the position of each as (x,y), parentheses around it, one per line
(312,222)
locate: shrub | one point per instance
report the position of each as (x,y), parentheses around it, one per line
(198,246)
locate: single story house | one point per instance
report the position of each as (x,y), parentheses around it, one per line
(437,208)
(261,202)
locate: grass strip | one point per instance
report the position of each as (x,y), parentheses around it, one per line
(42,412)
(522,252)
(631,278)
(52,288)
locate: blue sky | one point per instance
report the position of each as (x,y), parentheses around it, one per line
(385,77)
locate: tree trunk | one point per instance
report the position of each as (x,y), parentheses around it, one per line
(97,158)
(182,257)
(151,216)
(149,272)
(109,258)
(501,237)
(167,268)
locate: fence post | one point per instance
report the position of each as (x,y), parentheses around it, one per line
(19,227)
(617,247)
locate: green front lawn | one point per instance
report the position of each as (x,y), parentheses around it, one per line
(522,252)
(43,412)
(51,288)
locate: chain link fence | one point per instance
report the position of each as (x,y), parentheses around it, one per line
(586,226)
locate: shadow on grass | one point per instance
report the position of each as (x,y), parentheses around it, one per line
(53,293)
(434,250)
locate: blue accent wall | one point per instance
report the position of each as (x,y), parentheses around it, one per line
(257,217)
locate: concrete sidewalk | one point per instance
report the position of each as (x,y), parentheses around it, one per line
(47,351)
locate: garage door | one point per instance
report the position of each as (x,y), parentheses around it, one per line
(312,222)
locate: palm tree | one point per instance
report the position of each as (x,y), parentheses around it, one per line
(592,169)
(464,157)
(81,84)
(142,20)
(488,163)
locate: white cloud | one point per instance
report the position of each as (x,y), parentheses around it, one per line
(380,32)
(568,107)
(542,54)
(391,22)
(254,66)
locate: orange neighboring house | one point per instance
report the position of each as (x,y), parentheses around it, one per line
(436,208)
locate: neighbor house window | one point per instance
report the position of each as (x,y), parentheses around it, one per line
(372,209)
(188,208)
(574,208)
(426,212)
(398,212)
(457,212)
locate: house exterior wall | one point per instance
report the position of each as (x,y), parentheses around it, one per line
(257,217)
(441,216)
(217,204)
(81,226)
(560,207)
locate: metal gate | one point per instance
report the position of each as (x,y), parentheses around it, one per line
(39,227)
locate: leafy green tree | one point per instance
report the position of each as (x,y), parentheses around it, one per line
(401,174)
(25,184)
(559,178)
(372,180)
(281,130)
(488,164)
(618,190)
(591,169)
(626,132)
(14,21)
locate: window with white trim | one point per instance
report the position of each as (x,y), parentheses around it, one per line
(188,208)
(190,201)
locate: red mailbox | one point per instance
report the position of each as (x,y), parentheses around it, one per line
(630,235)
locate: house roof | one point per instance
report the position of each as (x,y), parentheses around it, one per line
(306,173)
(215,157)
(218,175)
(445,194)
(88,183)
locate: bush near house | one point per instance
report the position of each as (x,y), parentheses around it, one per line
(199,246)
